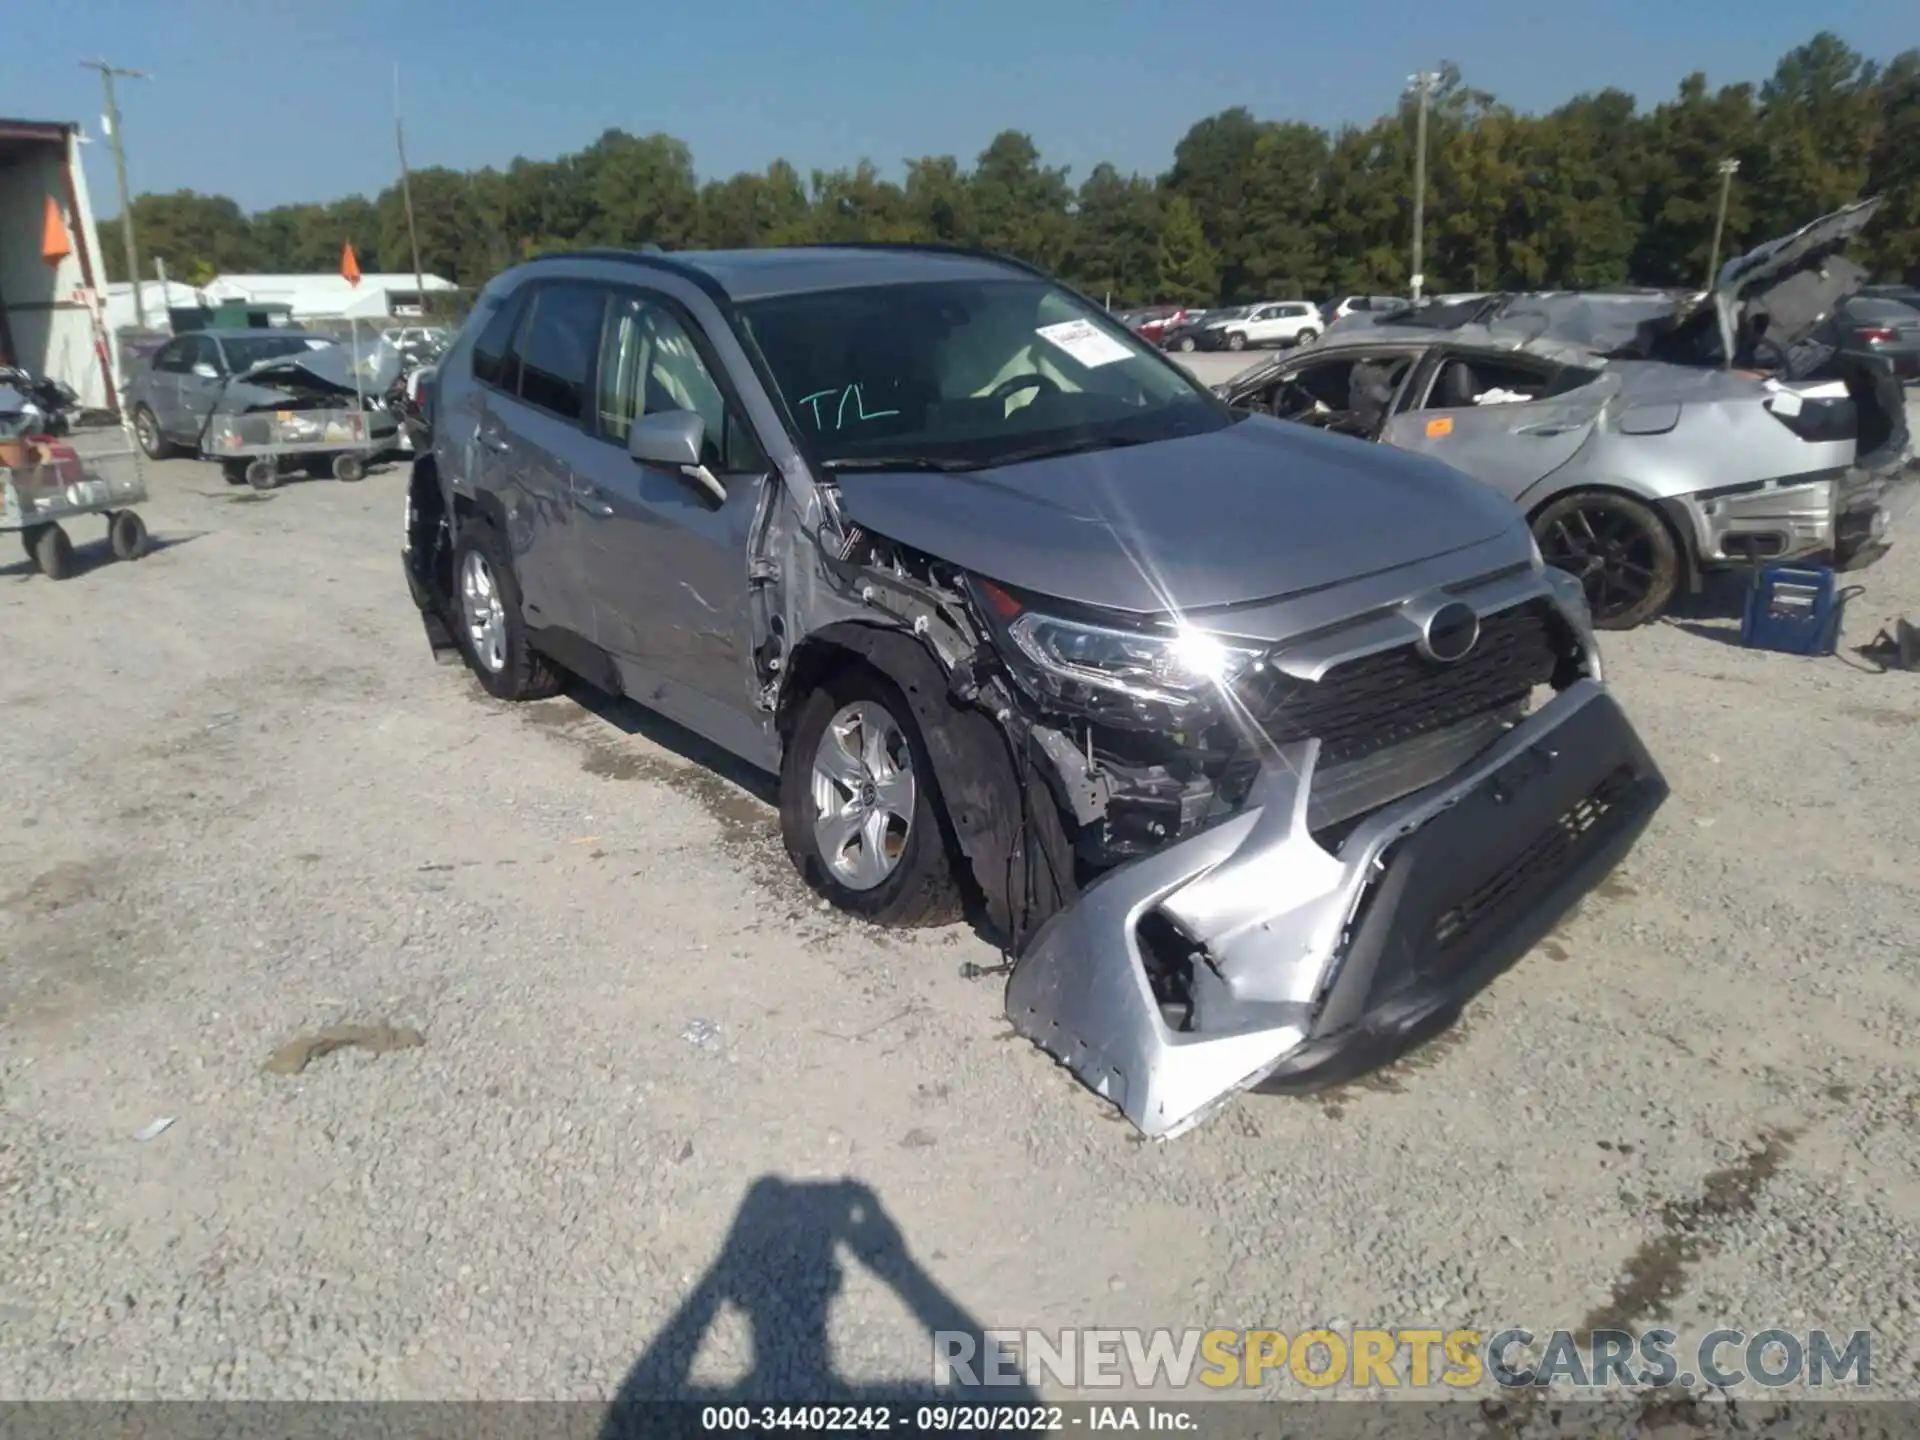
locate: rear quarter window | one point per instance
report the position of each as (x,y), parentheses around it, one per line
(493,360)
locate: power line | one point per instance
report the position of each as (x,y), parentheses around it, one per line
(107,72)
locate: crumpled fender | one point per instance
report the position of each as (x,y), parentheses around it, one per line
(1004,817)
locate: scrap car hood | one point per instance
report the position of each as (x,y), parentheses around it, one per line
(1810,245)
(1257,510)
(369,371)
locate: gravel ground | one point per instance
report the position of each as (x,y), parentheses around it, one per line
(622,1076)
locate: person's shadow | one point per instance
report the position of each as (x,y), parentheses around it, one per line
(781,1265)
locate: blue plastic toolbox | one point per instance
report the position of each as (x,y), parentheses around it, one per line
(1793,609)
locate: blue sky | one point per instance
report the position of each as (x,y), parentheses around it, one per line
(271,101)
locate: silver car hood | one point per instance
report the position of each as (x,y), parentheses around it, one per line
(1257,510)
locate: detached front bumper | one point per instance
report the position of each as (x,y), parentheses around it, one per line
(1307,965)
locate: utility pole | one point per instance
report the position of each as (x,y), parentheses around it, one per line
(1422,85)
(406,197)
(107,72)
(1728,168)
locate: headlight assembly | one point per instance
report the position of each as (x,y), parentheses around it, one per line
(1173,668)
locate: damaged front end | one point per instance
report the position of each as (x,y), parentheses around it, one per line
(1272,845)
(1406,827)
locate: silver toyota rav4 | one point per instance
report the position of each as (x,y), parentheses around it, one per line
(1262,748)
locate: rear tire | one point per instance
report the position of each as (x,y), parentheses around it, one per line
(264,473)
(488,623)
(920,888)
(1306,336)
(1619,549)
(349,468)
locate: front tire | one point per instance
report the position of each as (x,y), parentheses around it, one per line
(349,468)
(859,808)
(264,473)
(127,535)
(1619,549)
(1307,336)
(1187,344)
(488,622)
(1236,341)
(52,551)
(146,430)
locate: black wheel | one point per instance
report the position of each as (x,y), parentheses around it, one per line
(488,623)
(146,430)
(127,534)
(1236,341)
(859,808)
(349,468)
(1622,552)
(1306,336)
(234,472)
(52,551)
(263,473)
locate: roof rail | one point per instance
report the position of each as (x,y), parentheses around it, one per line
(651,257)
(972,252)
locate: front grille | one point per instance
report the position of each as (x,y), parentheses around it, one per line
(1383,700)
(1457,933)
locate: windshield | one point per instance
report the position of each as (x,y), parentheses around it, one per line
(967,373)
(244,352)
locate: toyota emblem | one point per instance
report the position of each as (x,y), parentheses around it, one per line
(1450,633)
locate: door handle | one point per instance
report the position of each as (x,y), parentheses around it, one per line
(592,501)
(492,439)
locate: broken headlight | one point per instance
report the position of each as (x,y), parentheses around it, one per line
(1172,668)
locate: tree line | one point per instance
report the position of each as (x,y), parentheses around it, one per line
(1597,192)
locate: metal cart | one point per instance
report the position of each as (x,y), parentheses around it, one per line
(257,446)
(52,482)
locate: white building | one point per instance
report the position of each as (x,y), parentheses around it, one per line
(47,301)
(328,297)
(156,297)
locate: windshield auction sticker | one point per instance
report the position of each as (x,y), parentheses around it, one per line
(1082,342)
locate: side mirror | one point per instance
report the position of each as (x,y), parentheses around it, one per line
(673,440)
(206,371)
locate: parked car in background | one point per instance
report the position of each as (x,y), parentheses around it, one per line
(1869,325)
(1905,294)
(1154,321)
(1341,306)
(1191,333)
(1274,323)
(988,581)
(172,393)
(1638,435)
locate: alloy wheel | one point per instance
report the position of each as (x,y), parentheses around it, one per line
(1609,551)
(486,617)
(863,795)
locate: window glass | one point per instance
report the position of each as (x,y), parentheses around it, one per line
(201,351)
(556,355)
(968,372)
(650,364)
(493,363)
(171,358)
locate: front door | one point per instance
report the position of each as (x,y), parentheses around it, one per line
(201,384)
(163,385)
(666,562)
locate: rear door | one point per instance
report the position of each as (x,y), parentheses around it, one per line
(534,364)
(1507,420)
(666,562)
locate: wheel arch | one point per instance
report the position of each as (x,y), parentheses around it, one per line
(994,809)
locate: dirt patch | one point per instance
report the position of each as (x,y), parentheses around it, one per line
(1884,716)
(1656,1273)
(57,889)
(294,1056)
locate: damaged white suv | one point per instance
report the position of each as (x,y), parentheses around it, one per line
(1264,748)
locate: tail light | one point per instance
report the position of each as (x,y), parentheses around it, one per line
(1876,334)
